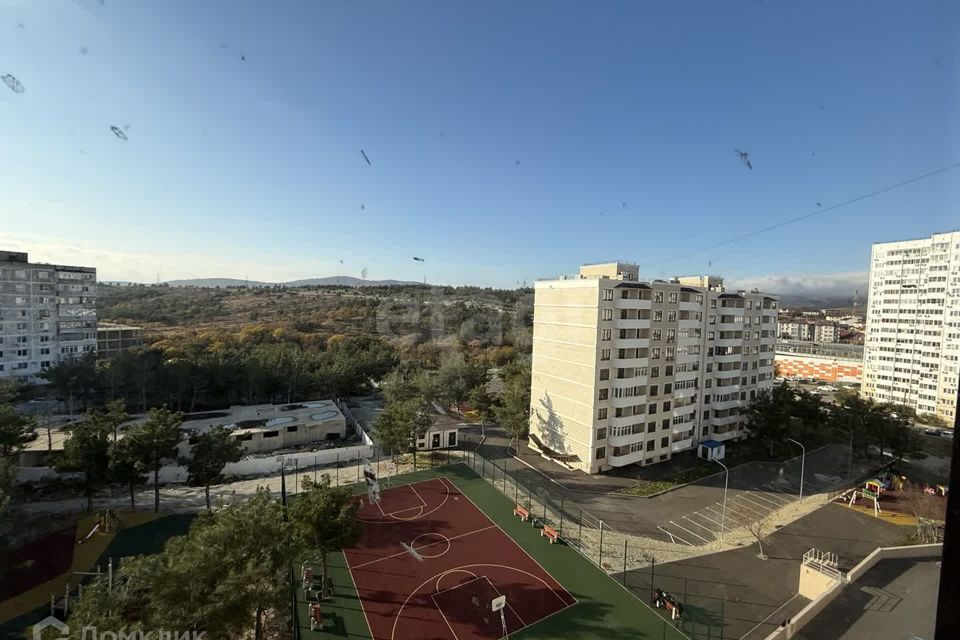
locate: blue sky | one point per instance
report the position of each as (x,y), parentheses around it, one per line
(246,121)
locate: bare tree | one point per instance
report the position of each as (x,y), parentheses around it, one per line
(924,507)
(759,530)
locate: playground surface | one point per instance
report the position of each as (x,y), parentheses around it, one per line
(473,550)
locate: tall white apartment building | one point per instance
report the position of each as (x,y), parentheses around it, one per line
(912,340)
(47,313)
(630,372)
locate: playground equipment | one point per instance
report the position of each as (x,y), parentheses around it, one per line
(107,522)
(74,587)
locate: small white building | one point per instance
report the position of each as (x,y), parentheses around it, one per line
(443,436)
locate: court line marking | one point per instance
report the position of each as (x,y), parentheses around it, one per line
(433,596)
(517,544)
(399,520)
(500,593)
(566,605)
(462,584)
(440,611)
(393,514)
(400,553)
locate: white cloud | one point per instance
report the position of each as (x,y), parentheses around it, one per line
(813,285)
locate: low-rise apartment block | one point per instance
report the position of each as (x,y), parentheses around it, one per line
(629,372)
(47,313)
(113,339)
(912,341)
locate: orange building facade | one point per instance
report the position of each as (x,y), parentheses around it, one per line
(822,368)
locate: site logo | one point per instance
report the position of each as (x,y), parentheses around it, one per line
(47,623)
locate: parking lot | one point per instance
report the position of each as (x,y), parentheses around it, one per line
(755,491)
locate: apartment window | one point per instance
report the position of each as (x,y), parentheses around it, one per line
(602,413)
(658,296)
(711,335)
(668,388)
(671,316)
(664,442)
(608,294)
(602,433)
(713,304)
(604,354)
(605,334)
(713,320)
(699,298)
(604,394)
(651,427)
(654,373)
(666,405)
(20,273)
(601,453)
(656,334)
(655,353)
(604,374)
(749,304)
(44,275)
(20,300)
(652,408)
(672,297)
(606,314)
(671,335)
(650,445)
(706,400)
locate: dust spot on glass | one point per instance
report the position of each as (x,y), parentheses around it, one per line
(84,51)
(15,85)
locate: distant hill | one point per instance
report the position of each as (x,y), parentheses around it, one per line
(344,281)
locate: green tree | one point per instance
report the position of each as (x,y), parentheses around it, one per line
(126,467)
(513,412)
(456,377)
(75,378)
(115,415)
(210,453)
(155,443)
(483,402)
(87,451)
(15,430)
(227,578)
(324,519)
(769,416)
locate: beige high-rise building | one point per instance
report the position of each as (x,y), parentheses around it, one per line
(630,372)
(912,342)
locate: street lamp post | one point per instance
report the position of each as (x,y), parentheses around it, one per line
(723,510)
(803,459)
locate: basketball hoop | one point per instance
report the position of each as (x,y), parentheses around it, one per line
(497,604)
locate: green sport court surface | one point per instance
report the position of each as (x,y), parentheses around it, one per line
(603,608)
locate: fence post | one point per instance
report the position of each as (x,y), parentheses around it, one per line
(721,619)
(600,560)
(516,491)
(580,531)
(483,469)
(316,463)
(560,529)
(358,465)
(296,476)
(338,469)
(624,562)
(546,499)
(653,563)
(664,636)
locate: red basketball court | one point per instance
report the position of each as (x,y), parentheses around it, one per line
(467,561)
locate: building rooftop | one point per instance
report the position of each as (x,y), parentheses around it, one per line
(895,599)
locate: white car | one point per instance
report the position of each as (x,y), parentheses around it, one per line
(826,388)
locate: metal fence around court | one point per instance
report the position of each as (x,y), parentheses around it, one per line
(626,558)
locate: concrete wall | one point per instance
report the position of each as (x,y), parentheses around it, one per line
(814,583)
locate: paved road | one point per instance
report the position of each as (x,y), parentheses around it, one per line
(757,594)
(752,488)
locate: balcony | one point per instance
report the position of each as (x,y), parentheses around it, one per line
(725,420)
(632,323)
(728,357)
(632,303)
(685,393)
(631,343)
(626,402)
(624,440)
(691,306)
(626,459)
(626,421)
(725,404)
(681,445)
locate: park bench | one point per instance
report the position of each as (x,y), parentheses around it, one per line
(523,513)
(550,532)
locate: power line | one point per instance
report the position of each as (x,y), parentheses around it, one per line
(812,214)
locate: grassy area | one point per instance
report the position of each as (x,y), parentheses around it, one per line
(604,608)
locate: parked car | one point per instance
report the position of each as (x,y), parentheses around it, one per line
(826,388)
